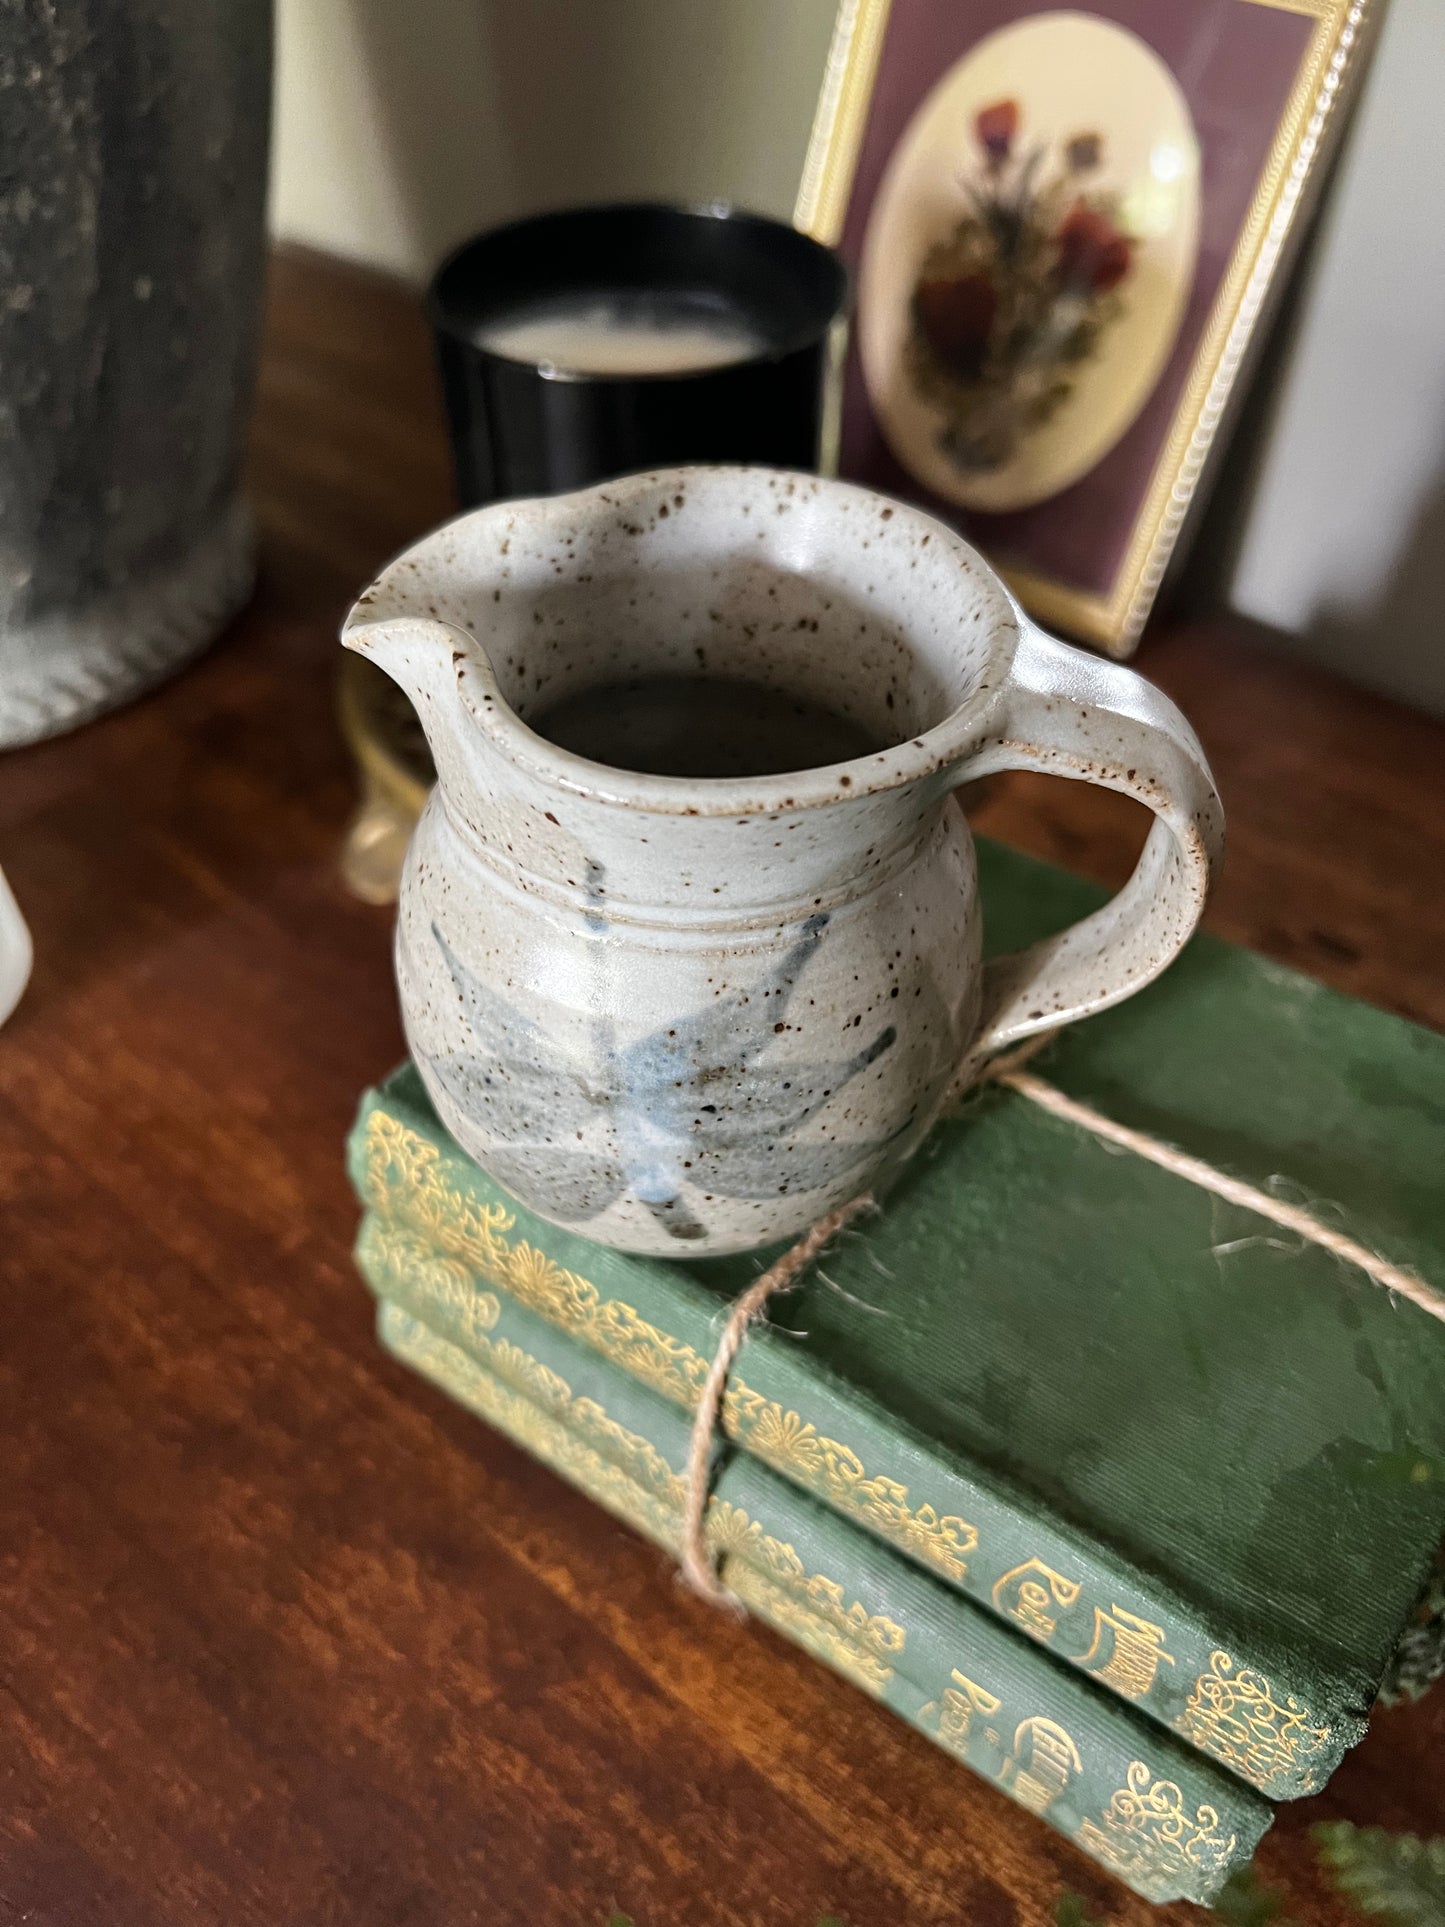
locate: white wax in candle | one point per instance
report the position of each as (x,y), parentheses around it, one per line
(636,335)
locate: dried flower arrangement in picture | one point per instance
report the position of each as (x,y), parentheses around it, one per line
(1013,301)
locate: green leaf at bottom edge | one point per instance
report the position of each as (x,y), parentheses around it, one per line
(1071,1911)
(1244,1901)
(1397,1878)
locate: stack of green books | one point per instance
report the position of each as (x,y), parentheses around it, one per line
(1121,1495)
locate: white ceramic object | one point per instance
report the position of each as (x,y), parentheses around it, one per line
(690,1016)
(16,951)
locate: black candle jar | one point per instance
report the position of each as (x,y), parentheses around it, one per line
(524,426)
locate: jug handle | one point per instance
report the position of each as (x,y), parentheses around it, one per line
(1074,715)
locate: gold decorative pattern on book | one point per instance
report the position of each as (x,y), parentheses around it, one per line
(1147,1836)
(470,1313)
(789,1443)
(1232,1713)
(577,1438)
(1030,1594)
(963,1702)
(784,1610)
(1133,1649)
(1041,1764)
(475,1235)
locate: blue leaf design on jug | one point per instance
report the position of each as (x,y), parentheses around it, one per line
(693,1107)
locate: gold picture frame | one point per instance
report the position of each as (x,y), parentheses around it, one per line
(1333,58)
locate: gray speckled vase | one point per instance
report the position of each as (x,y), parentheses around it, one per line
(133,143)
(691,1015)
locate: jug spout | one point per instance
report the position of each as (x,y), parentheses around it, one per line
(423,655)
(415,651)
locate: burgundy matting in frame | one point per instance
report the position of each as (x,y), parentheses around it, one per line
(1262,81)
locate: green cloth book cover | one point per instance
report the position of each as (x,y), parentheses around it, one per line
(1138,1800)
(1199,1463)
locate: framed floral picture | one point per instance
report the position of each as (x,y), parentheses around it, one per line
(1064,226)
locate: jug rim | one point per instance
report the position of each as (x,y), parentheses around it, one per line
(914,758)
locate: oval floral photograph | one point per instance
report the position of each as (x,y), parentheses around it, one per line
(1028,260)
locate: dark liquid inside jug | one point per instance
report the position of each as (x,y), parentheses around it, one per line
(702,726)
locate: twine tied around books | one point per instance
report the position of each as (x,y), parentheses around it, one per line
(697,1566)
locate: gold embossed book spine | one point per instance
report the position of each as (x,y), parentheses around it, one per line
(1165,1820)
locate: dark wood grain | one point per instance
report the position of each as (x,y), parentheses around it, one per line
(284,1638)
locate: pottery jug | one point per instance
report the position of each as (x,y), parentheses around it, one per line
(689,1013)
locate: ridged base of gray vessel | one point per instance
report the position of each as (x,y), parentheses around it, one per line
(62,670)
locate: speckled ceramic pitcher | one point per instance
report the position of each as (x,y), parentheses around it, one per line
(690,1015)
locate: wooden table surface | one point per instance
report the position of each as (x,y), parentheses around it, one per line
(286,1638)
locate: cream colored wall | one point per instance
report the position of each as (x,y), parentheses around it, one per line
(404,125)
(1343,544)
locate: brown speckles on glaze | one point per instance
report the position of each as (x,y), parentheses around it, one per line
(605,997)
